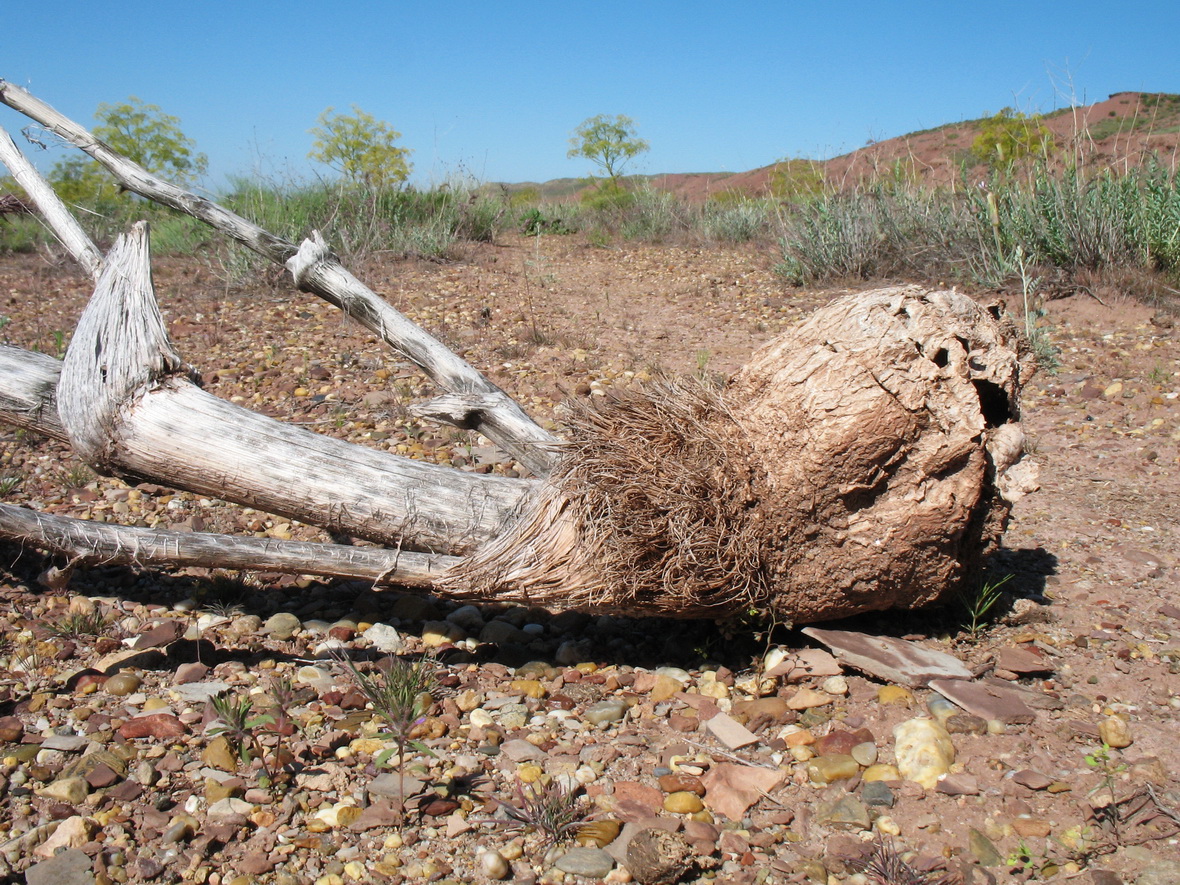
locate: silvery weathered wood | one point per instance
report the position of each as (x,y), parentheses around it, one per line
(129,409)
(28,388)
(63,223)
(95,543)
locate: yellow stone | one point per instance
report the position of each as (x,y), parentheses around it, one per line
(354,869)
(806,698)
(154,704)
(894,694)
(530,688)
(371,746)
(683,802)
(1115,732)
(302,391)
(529,773)
(800,738)
(887,825)
(881,772)
(347,815)
(711,688)
(1113,389)
(665,687)
(586,668)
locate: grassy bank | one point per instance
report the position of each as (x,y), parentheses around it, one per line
(985,233)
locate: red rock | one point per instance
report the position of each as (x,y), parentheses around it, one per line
(1034,780)
(192,672)
(160,634)
(1022,661)
(102,775)
(153,725)
(254,863)
(377,814)
(840,743)
(991,701)
(961,784)
(676,783)
(635,801)
(11,729)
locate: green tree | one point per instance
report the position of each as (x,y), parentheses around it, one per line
(362,148)
(607,142)
(793,178)
(142,133)
(1009,136)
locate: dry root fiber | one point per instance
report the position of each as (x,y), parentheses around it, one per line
(863,461)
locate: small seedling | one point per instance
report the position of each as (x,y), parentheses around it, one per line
(886,866)
(400,694)
(78,624)
(548,808)
(977,607)
(241,729)
(10,482)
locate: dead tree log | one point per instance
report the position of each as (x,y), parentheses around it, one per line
(865,460)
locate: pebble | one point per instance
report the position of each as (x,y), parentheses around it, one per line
(682,802)
(281,626)
(865,754)
(894,694)
(494,865)
(965,723)
(122,684)
(611,710)
(806,698)
(826,769)
(877,793)
(71,790)
(924,751)
(1115,732)
(940,708)
(593,863)
(219,754)
(846,811)
(385,639)
(881,772)
(835,685)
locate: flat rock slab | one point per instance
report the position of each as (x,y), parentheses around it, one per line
(730,732)
(894,660)
(1022,661)
(70,867)
(989,700)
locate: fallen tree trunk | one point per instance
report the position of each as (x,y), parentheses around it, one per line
(865,460)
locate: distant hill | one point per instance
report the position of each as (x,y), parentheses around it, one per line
(1121,131)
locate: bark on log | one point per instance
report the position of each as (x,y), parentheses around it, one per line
(315,269)
(129,409)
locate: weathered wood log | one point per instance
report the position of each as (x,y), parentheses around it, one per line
(86,542)
(28,391)
(66,226)
(865,460)
(129,409)
(315,269)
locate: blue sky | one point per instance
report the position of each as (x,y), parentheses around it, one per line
(493,89)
